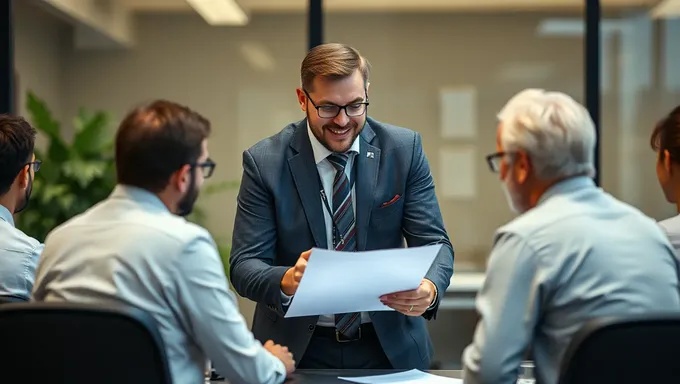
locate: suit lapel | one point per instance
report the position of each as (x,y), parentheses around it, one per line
(306,177)
(368,163)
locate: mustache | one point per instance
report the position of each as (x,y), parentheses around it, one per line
(352,124)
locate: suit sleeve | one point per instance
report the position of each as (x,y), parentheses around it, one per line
(423,223)
(215,321)
(508,306)
(252,270)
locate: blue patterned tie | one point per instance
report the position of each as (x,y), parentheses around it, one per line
(344,236)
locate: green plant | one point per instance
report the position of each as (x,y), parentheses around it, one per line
(75,174)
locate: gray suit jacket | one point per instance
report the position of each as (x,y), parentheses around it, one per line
(280,215)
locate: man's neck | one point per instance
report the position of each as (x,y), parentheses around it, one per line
(8,202)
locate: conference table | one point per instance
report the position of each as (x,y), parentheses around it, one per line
(328,376)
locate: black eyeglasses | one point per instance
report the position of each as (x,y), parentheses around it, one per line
(494,161)
(35,165)
(207,167)
(331,111)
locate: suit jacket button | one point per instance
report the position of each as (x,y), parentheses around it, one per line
(311,327)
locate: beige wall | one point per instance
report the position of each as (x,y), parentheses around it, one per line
(40,41)
(413,56)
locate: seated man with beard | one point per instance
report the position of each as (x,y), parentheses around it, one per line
(574,253)
(135,249)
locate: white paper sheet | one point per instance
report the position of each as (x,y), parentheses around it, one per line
(341,282)
(409,377)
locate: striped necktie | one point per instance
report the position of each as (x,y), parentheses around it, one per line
(344,234)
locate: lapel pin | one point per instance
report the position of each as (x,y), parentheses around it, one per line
(370,155)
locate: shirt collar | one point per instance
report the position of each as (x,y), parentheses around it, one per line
(321,152)
(138,195)
(6,215)
(567,186)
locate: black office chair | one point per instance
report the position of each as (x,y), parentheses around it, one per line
(76,343)
(12,299)
(635,349)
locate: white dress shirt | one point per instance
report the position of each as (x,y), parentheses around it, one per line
(327,175)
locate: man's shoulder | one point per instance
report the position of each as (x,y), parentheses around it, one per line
(391,135)
(16,240)
(152,226)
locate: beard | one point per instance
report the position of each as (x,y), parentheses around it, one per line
(186,205)
(27,196)
(320,133)
(511,198)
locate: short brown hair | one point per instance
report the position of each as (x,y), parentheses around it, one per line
(156,140)
(333,61)
(666,135)
(17,142)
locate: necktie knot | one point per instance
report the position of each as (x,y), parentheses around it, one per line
(338,160)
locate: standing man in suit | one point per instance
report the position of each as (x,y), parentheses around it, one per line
(340,180)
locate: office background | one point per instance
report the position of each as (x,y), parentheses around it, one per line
(468,55)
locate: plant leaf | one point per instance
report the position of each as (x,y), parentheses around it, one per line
(41,116)
(92,136)
(84,171)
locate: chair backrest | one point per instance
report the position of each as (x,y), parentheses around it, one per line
(79,343)
(634,349)
(12,299)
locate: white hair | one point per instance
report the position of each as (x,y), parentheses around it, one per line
(553,129)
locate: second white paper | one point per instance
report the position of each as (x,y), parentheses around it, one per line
(342,282)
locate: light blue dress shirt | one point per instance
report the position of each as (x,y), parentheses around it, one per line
(579,254)
(130,249)
(19,254)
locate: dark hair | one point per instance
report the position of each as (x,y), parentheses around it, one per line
(156,140)
(17,143)
(666,135)
(333,61)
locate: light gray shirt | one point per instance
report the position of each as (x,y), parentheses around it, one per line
(130,249)
(579,254)
(19,254)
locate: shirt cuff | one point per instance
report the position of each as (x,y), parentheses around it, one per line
(434,300)
(285,299)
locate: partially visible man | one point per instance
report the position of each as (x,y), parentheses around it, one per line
(19,252)
(575,252)
(341,180)
(135,249)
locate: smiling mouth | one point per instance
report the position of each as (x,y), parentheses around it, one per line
(339,132)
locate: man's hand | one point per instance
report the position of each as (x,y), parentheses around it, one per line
(291,279)
(282,354)
(411,303)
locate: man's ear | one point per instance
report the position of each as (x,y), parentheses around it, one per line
(179,180)
(667,163)
(23,178)
(368,85)
(522,166)
(302,99)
